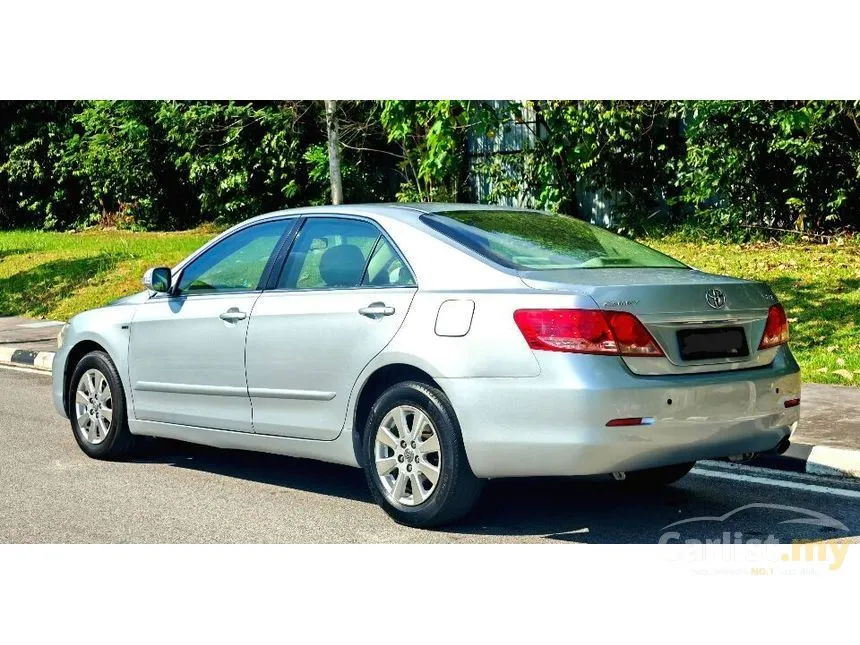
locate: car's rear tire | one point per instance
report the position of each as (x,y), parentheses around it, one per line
(419,473)
(97,409)
(657,477)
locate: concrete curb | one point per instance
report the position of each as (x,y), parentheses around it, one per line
(26,358)
(814,460)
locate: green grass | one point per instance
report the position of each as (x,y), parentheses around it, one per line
(56,275)
(819,285)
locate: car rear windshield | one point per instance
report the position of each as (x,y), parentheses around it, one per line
(536,241)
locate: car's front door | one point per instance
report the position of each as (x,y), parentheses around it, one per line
(340,298)
(187,348)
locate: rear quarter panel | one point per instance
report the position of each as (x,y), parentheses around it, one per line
(492,347)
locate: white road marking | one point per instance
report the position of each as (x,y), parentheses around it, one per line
(771,472)
(781,483)
(823,462)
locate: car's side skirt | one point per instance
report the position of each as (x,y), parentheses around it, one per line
(338,451)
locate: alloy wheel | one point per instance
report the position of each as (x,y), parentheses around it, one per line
(408,457)
(93,407)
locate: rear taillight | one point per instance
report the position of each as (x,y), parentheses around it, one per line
(586,331)
(775,329)
(630,334)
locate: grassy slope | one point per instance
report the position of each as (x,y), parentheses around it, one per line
(819,285)
(55,275)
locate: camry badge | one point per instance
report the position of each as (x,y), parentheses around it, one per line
(715,298)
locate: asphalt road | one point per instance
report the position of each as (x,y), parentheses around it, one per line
(176,492)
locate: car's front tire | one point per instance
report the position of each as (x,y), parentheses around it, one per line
(414,458)
(97,408)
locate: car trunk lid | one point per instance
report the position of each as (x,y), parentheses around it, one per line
(684,310)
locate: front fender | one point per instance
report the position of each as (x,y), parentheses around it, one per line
(106,329)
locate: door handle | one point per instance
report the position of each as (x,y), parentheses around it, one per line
(376,310)
(233,315)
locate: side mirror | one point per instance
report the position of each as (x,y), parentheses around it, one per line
(157,279)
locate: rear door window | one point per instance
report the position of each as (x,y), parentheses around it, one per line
(386,268)
(329,253)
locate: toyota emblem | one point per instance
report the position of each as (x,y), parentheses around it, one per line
(715,298)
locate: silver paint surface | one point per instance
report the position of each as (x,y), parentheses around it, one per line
(286,378)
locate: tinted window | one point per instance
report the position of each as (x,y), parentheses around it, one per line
(329,253)
(386,268)
(236,263)
(532,241)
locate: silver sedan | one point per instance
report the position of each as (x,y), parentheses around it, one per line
(436,346)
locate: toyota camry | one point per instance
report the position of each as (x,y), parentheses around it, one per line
(436,346)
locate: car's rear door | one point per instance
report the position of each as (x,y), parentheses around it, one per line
(341,297)
(187,348)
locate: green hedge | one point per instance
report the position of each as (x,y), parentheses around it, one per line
(719,167)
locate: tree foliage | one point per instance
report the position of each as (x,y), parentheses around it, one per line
(35,185)
(430,135)
(717,166)
(173,164)
(628,150)
(237,158)
(779,164)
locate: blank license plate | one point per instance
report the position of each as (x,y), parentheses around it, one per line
(725,342)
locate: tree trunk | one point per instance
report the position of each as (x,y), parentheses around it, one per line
(333,152)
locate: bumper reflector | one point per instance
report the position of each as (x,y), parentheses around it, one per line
(631,421)
(792,402)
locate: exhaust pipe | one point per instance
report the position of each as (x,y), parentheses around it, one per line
(778,449)
(739,459)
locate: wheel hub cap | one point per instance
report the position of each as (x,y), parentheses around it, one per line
(93,407)
(408,457)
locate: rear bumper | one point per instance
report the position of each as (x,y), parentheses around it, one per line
(555,424)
